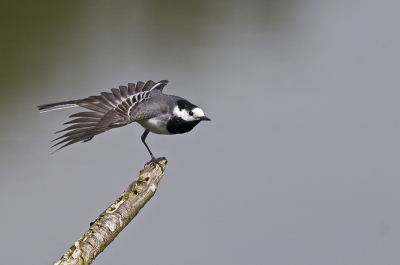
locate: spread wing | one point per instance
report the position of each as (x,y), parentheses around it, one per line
(107,111)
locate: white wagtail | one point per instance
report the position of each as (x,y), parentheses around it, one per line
(143,103)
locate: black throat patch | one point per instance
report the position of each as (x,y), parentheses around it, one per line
(178,125)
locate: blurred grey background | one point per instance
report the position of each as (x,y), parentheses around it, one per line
(300,164)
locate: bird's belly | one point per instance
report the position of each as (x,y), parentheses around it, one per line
(155,125)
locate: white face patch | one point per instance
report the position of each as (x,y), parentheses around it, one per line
(184,114)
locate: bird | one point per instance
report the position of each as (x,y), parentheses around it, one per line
(143,102)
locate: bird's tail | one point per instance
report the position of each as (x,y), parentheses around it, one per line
(58,105)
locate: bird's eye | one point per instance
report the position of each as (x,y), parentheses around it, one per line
(191,113)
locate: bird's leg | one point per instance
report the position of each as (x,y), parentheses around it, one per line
(153,159)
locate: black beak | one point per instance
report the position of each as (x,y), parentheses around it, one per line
(204,118)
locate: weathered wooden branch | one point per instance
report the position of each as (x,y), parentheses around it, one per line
(110,223)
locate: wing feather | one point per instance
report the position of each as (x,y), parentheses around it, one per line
(110,98)
(83,120)
(124,91)
(131,88)
(79,125)
(101,101)
(149,84)
(107,110)
(88,104)
(139,86)
(86,114)
(117,94)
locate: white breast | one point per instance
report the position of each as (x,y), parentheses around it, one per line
(156,125)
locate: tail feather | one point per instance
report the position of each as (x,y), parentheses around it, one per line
(58,105)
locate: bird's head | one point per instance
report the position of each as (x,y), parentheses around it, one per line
(185,117)
(189,112)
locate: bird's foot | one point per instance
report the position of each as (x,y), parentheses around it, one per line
(154,162)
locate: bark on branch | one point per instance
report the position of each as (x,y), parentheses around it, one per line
(110,223)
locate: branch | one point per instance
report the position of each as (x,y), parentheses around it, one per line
(110,223)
